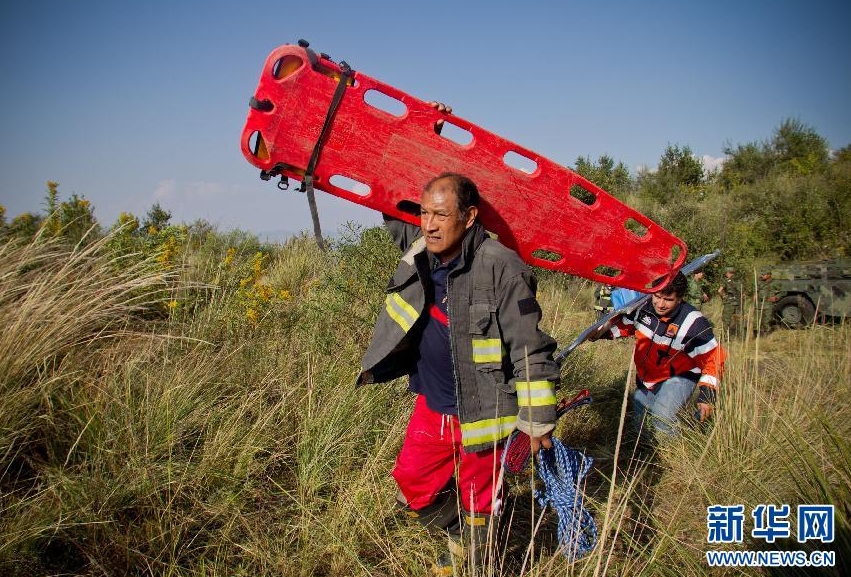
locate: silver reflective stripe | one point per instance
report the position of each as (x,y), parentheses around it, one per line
(487,350)
(535,393)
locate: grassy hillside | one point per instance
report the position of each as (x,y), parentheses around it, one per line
(189,409)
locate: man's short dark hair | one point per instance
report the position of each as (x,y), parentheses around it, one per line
(464,188)
(678,286)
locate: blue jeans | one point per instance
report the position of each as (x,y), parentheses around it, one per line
(657,409)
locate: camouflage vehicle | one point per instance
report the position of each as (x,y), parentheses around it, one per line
(807,289)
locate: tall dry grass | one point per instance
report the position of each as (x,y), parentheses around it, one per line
(196,439)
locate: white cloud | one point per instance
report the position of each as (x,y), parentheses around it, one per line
(165,189)
(711,163)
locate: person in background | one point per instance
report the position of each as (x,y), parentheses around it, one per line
(731,293)
(697,294)
(766,296)
(603,299)
(675,353)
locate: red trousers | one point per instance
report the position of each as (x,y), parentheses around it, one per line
(430,454)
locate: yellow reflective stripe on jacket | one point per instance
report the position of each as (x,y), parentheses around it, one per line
(475,520)
(535,393)
(400,311)
(487,430)
(487,350)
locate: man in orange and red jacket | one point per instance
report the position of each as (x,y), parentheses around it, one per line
(675,351)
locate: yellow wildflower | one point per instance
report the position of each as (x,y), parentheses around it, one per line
(229,256)
(264,291)
(258,264)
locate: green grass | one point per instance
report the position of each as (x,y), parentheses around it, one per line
(151,424)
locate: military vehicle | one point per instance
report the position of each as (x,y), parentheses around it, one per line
(810,290)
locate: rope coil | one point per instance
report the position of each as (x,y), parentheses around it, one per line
(562,470)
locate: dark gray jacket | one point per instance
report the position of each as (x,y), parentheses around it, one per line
(494,336)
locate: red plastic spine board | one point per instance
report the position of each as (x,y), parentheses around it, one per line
(381,148)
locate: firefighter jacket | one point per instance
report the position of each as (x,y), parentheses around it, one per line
(493,330)
(680,345)
(603,296)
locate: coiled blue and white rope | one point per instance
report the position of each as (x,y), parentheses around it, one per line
(562,470)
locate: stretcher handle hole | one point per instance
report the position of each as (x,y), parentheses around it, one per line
(385,103)
(675,253)
(636,227)
(519,162)
(608,271)
(456,134)
(257,145)
(350,185)
(582,194)
(547,255)
(659,282)
(285,66)
(409,207)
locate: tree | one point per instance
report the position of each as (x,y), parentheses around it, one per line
(794,149)
(156,219)
(838,198)
(679,172)
(25,225)
(746,164)
(73,219)
(679,167)
(613,179)
(77,220)
(799,149)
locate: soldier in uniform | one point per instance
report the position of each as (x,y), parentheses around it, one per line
(730,291)
(603,299)
(766,296)
(696,295)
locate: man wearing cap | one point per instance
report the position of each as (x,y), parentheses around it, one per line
(731,292)
(766,296)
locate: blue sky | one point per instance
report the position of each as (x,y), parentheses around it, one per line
(131,103)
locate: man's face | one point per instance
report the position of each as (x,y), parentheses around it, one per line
(665,304)
(766,277)
(443,225)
